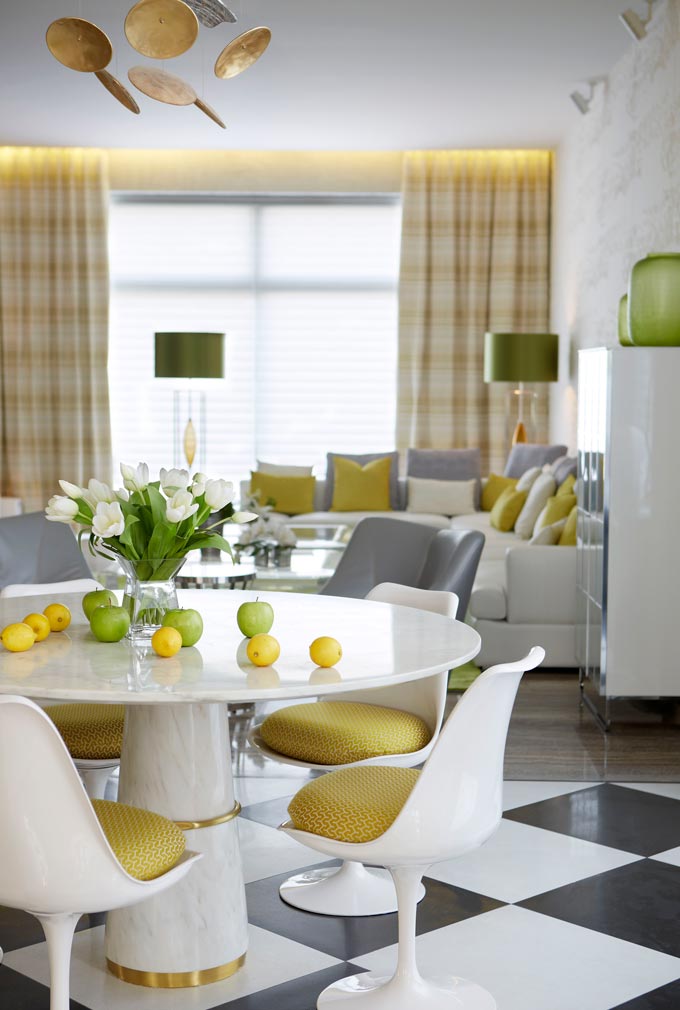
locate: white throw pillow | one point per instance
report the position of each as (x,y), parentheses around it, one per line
(541,489)
(527,479)
(279,470)
(549,535)
(444,497)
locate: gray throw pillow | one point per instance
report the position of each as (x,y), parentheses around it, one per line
(563,468)
(527,454)
(443,464)
(362,460)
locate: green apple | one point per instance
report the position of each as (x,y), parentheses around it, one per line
(109,623)
(189,623)
(97,598)
(255,618)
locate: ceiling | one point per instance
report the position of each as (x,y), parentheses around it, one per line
(337,76)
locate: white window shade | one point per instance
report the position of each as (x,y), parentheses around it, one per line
(306,294)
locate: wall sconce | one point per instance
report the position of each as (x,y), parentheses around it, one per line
(581,101)
(634,24)
(189,356)
(520,358)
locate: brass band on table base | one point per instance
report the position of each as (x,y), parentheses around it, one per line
(175,979)
(212,822)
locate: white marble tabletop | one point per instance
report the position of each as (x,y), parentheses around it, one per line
(381,643)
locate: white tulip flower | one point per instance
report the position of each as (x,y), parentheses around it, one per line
(121,494)
(135,478)
(97,492)
(218,493)
(60,509)
(173,480)
(108,520)
(71,490)
(244,517)
(180,507)
(198,485)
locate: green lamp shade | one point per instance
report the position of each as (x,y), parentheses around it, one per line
(520,357)
(189,356)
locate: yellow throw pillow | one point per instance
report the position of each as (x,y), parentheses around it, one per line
(494,488)
(507,508)
(556,508)
(362,488)
(568,534)
(291,495)
(567,485)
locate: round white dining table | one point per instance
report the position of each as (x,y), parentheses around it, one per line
(176,750)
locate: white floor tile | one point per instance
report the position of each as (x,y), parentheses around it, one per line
(519,794)
(669,856)
(520,861)
(670,789)
(529,961)
(266,851)
(271,960)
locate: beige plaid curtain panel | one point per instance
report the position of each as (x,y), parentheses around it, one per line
(54,407)
(475,256)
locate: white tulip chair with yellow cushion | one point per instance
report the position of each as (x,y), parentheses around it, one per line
(406,820)
(62,855)
(93,733)
(396,725)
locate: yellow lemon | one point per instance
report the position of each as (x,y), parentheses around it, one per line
(325,651)
(166,641)
(263,650)
(17,637)
(40,625)
(58,615)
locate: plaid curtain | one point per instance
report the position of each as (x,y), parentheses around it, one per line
(54,407)
(475,256)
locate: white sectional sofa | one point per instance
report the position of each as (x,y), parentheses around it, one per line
(524,594)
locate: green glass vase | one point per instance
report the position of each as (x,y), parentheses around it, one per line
(624,335)
(654,301)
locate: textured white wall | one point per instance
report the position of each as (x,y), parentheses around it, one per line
(617,197)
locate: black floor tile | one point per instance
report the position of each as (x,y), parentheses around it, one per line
(626,819)
(350,937)
(665,998)
(19,929)
(271,812)
(18,992)
(638,902)
(298,994)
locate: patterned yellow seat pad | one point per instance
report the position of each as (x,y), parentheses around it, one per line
(93,732)
(341,732)
(145,844)
(352,804)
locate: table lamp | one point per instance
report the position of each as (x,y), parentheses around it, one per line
(520,358)
(189,356)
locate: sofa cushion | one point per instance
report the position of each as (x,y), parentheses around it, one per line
(506,510)
(489,602)
(542,488)
(568,535)
(282,470)
(289,494)
(527,454)
(556,508)
(362,460)
(361,487)
(528,478)
(352,518)
(493,489)
(567,485)
(548,536)
(563,467)
(450,497)
(446,464)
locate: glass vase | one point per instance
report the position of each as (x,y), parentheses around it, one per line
(654,301)
(150,591)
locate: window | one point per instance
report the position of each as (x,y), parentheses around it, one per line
(305,291)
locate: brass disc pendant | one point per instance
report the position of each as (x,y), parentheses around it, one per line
(210,112)
(79,44)
(162,86)
(161,29)
(212,13)
(118,90)
(242,52)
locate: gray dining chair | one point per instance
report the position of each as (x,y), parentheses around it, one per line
(35,550)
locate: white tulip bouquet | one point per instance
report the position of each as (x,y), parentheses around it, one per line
(150,524)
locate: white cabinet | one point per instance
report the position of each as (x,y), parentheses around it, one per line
(628,632)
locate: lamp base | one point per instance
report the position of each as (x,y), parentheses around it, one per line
(520,433)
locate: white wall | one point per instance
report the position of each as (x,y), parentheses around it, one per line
(617,197)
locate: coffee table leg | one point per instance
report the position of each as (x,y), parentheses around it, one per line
(176,761)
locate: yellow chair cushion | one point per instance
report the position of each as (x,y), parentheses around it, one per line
(146,845)
(291,495)
(507,508)
(494,488)
(352,804)
(340,732)
(568,534)
(567,485)
(94,732)
(358,488)
(556,508)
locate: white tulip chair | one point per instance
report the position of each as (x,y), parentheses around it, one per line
(454,807)
(55,860)
(354,889)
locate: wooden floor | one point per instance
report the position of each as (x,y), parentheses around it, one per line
(553,737)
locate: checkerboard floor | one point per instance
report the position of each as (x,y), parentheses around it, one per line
(573,905)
